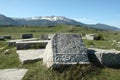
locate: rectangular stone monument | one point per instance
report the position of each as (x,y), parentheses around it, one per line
(26,36)
(12,74)
(44,37)
(13,42)
(92,37)
(22,45)
(7,36)
(30,55)
(65,49)
(2,38)
(104,57)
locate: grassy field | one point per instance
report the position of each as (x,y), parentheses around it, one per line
(37,71)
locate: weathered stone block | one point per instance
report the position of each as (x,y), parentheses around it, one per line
(44,37)
(65,49)
(7,36)
(26,36)
(104,57)
(2,38)
(13,42)
(50,36)
(92,37)
(31,55)
(21,45)
(12,74)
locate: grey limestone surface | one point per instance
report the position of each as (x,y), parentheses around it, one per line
(12,74)
(92,37)
(7,36)
(26,56)
(20,45)
(69,48)
(26,36)
(13,42)
(44,37)
(65,49)
(104,57)
(2,38)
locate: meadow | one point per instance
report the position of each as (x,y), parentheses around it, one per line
(37,71)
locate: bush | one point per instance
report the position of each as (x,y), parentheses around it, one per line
(71,29)
(115,33)
(90,43)
(100,37)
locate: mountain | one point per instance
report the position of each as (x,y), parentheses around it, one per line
(49,21)
(103,27)
(7,21)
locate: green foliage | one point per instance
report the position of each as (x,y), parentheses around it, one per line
(116,33)
(90,43)
(100,37)
(2,43)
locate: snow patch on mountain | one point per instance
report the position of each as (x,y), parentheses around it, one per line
(50,18)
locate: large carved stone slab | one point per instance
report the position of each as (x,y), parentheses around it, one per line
(65,49)
(30,55)
(26,36)
(13,42)
(2,38)
(7,36)
(110,58)
(21,45)
(12,74)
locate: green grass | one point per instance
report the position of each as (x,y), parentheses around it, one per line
(15,32)
(37,71)
(105,74)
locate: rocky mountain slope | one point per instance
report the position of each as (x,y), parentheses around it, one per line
(50,21)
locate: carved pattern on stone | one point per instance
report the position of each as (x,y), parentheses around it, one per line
(69,48)
(70,58)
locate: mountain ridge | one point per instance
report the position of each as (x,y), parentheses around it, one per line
(50,21)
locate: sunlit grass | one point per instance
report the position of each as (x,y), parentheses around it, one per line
(37,71)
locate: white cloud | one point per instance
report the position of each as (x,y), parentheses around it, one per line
(85,20)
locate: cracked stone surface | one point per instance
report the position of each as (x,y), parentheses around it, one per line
(69,48)
(65,49)
(30,55)
(12,74)
(104,57)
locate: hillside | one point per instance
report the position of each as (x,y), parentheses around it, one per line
(7,21)
(77,72)
(50,21)
(103,27)
(47,21)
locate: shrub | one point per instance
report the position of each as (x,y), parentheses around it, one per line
(71,29)
(90,43)
(115,33)
(100,37)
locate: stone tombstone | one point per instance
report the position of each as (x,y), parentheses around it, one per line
(7,36)
(104,57)
(65,49)
(13,42)
(44,37)
(12,74)
(2,38)
(23,45)
(92,37)
(26,36)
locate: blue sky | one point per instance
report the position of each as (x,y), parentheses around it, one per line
(86,11)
